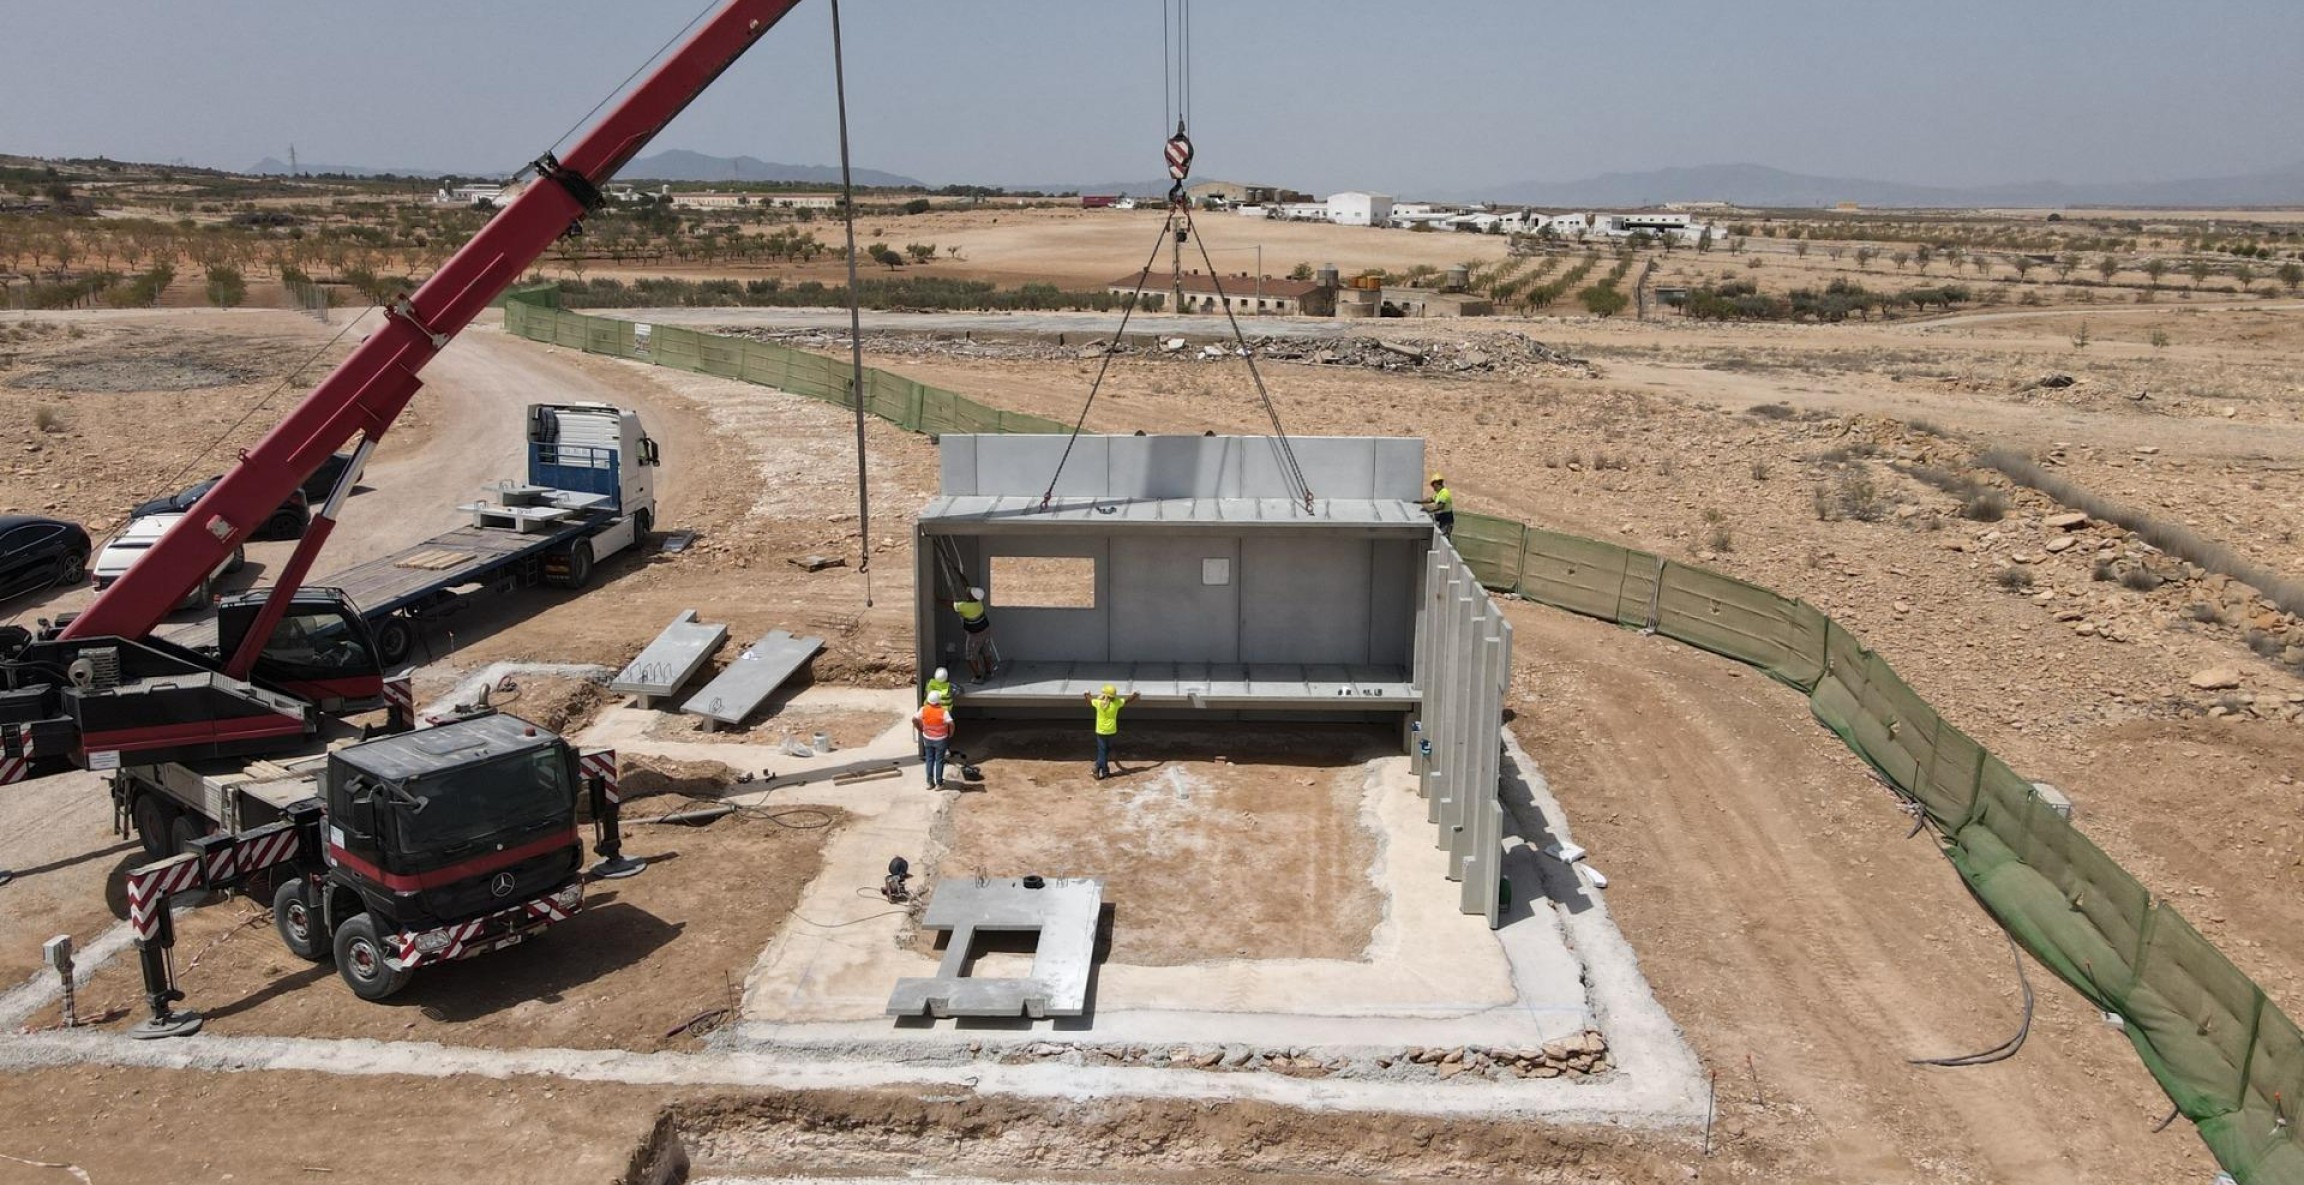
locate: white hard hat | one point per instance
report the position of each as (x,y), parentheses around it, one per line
(935,697)
(975,594)
(940,675)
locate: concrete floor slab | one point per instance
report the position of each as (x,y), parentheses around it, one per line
(1429,975)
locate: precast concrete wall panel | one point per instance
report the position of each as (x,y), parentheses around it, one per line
(1463,668)
(1391,600)
(1305,600)
(1131,467)
(1161,612)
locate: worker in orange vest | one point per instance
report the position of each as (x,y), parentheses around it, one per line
(933,724)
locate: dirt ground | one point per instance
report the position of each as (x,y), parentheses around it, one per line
(889,1134)
(1806,946)
(120,1125)
(646,955)
(1268,825)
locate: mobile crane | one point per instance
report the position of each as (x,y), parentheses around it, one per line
(391,852)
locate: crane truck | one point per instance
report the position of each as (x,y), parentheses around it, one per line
(386,852)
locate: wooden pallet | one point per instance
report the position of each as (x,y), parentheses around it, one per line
(436,560)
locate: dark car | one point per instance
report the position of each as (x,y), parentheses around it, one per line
(288,522)
(323,480)
(38,553)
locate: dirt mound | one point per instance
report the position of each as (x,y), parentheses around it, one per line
(1491,352)
(646,774)
(857,1131)
(561,705)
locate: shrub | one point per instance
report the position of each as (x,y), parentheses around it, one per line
(1759,470)
(916,206)
(1985,506)
(1720,540)
(2014,578)
(46,418)
(1856,497)
(2140,579)
(2204,613)
(2263,643)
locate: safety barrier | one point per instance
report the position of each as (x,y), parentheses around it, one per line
(2230,1060)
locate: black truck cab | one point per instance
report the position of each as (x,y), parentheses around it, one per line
(443,843)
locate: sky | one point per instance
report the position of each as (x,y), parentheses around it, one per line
(1415,97)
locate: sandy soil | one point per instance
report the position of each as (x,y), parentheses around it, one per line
(1767,884)
(646,955)
(118,1125)
(1269,825)
(1805,944)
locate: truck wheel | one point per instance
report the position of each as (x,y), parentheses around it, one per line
(360,960)
(579,571)
(285,524)
(297,917)
(238,561)
(394,639)
(153,816)
(643,522)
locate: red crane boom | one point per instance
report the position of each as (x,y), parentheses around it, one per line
(365,393)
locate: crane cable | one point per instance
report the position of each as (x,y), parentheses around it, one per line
(1176,102)
(855,317)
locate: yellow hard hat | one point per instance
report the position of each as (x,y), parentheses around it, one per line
(1437,479)
(1111,690)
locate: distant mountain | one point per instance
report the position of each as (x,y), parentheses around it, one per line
(679,164)
(274,167)
(1759,185)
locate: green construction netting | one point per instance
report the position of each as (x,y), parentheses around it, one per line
(2232,1062)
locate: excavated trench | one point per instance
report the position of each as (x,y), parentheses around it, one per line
(957,1135)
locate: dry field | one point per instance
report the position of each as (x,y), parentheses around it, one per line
(1784,920)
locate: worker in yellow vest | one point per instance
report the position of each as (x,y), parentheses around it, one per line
(1107,705)
(1442,505)
(976,626)
(940,683)
(933,724)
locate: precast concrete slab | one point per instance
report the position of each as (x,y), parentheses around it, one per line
(748,681)
(1061,912)
(671,660)
(1200,685)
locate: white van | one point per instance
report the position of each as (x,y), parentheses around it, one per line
(122,551)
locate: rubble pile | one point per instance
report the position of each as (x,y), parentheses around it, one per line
(1581,1055)
(1480,353)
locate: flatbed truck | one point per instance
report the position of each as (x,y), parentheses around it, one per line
(590,493)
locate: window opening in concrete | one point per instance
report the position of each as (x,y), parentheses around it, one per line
(1044,582)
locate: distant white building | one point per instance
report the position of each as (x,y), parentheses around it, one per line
(1566,226)
(1354,208)
(1679,228)
(468,195)
(1301,211)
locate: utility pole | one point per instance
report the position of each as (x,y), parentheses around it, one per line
(1176,264)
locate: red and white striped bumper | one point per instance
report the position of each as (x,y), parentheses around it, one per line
(505,927)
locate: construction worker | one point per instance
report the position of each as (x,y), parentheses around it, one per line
(1442,505)
(976,623)
(1107,705)
(941,683)
(933,724)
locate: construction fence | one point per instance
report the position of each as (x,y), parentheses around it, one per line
(916,407)
(2230,1060)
